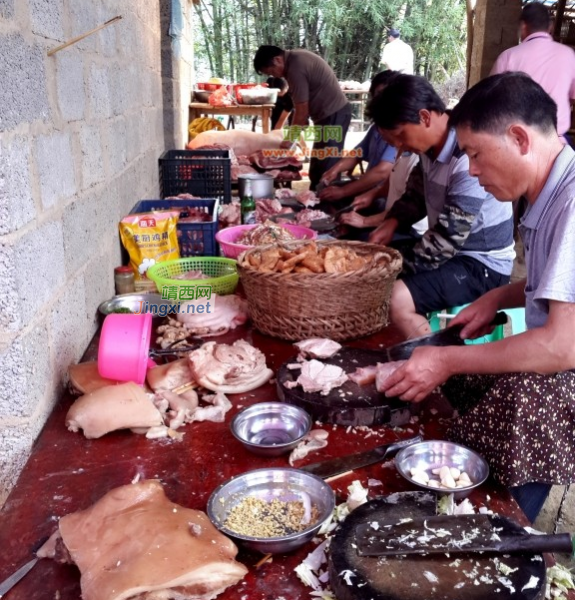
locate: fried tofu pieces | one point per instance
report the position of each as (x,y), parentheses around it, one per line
(309,258)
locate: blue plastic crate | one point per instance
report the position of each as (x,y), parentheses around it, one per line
(195,239)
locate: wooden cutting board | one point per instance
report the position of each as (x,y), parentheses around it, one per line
(434,577)
(349,404)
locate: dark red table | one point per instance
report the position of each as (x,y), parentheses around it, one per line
(67,472)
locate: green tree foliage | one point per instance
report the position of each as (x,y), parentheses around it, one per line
(349,34)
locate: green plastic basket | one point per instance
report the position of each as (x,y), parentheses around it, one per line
(222,272)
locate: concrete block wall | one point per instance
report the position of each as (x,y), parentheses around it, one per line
(80,135)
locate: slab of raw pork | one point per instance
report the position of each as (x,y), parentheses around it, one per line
(227,312)
(316,376)
(134,543)
(231,369)
(318,347)
(384,370)
(113,407)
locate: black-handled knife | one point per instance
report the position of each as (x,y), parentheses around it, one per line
(335,466)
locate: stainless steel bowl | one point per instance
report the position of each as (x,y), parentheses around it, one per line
(433,454)
(280,483)
(135,303)
(270,428)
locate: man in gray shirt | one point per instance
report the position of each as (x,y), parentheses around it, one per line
(516,397)
(316,94)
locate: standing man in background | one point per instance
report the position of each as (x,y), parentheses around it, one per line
(550,64)
(316,94)
(397,55)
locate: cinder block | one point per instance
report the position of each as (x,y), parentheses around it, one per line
(133,132)
(23,94)
(99,281)
(15,444)
(82,231)
(9,302)
(116,134)
(55,168)
(91,153)
(16,202)
(99,92)
(38,268)
(84,17)
(47,19)
(24,374)
(118,77)
(6,12)
(70,85)
(69,331)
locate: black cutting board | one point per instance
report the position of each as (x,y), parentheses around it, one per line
(404,577)
(349,404)
(356,405)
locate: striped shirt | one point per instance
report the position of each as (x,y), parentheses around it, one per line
(464,219)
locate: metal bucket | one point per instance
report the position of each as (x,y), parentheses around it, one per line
(262,185)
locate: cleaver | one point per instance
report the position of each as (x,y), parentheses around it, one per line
(454,534)
(450,336)
(335,466)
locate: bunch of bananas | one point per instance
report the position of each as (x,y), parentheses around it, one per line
(204,124)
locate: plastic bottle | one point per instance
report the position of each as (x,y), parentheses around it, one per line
(248,205)
(124,280)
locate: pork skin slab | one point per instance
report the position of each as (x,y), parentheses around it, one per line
(124,406)
(135,543)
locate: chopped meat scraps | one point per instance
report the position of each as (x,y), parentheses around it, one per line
(134,543)
(318,347)
(316,376)
(384,370)
(230,369)
(314,440)
(124,406)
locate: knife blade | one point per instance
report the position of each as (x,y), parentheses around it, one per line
(450,336)
(335,466)
(11,581)
(453,534)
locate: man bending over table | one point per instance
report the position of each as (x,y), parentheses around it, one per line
(516,397)
(468,247)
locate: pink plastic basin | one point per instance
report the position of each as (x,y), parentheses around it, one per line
(124,347)
(226,237)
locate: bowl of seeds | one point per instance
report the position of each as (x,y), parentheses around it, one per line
(272,510)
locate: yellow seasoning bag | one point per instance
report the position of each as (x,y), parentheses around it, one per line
(150,238)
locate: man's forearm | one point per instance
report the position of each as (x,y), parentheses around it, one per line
(367,181)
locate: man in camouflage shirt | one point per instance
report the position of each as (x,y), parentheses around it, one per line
(468,248)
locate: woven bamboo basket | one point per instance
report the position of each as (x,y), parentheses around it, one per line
(339,306)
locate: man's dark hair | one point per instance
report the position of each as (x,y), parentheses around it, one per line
(265,56)
(497,101)
(536,16)
(401,101)
(381,78)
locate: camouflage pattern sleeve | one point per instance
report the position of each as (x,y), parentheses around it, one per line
(464,198)
(410,208)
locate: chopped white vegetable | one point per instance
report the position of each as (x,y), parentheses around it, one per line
(531,584)
(431,577)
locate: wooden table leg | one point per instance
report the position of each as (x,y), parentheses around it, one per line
(266,117)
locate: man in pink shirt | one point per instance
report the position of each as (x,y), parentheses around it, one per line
(550,64)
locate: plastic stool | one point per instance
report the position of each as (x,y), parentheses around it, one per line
(516,315)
